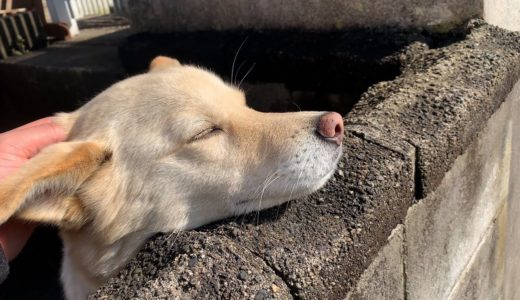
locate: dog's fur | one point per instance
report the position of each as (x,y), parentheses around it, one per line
(168,150)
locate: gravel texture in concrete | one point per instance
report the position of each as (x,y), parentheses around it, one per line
(443,98)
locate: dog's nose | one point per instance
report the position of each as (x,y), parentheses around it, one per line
(330,127)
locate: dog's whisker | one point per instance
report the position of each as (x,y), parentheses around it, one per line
(238,70)
(235,59)
(258,196)
(247,73)
(299,176)
(257,191)
(262,196)
(175,239)
(297,106)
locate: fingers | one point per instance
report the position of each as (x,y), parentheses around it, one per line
(28,140)
(31,140)
(46,120)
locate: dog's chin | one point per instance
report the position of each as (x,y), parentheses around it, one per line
(273,198)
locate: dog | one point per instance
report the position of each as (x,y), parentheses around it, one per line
(169,150)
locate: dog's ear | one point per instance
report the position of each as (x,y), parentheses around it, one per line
(162,62)
(45,188)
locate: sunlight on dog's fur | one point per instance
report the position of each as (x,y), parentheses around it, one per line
(168,150)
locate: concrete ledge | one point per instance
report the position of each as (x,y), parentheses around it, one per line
(447,233)
(443,99)
(402,138)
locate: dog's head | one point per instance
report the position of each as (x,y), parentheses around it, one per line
(171,149)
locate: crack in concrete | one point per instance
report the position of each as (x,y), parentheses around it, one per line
(292,290)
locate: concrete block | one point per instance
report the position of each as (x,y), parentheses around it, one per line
(483,278)
(194,15)
(445,228)
(384,278)
(444,98)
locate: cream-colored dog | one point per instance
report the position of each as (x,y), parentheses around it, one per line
(168,150)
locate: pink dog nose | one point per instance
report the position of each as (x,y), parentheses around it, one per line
(330,127)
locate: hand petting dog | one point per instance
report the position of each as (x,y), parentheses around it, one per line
(17,146)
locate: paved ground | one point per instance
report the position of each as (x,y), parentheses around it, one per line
(61,76)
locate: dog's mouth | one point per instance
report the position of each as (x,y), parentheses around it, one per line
(275,190)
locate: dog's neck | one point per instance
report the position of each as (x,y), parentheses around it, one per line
(89,261)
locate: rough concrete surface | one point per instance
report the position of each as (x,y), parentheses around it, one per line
(443,98)
(402,137)
(384,278)
(444,230)
(194,15)
(236,272)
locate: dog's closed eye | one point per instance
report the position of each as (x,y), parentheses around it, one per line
(206,133)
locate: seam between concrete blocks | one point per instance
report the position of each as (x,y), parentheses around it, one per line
(417,174)
(418,190)
(292,291)
(405,256)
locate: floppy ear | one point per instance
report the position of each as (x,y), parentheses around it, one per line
(162,62)
(44,189)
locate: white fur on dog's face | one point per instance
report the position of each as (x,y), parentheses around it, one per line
(168,150)
(189,147)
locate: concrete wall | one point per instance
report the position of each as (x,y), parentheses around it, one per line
(462,240)
(438,15)
(503,13)
(192,15)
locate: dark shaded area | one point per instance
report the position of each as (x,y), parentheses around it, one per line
(34,274)
(306,70)
(60,78)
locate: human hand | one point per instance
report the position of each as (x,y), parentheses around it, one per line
(16,147)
